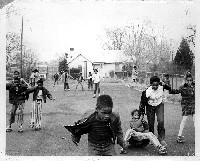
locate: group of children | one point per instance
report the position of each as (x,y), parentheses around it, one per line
(93,79)
(19,92)
(103,126)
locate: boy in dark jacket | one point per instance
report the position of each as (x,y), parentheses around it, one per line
(40,94)
(102,126)
(152,99)
(17,99)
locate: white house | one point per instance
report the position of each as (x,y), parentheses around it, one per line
(110,60)
(83,64)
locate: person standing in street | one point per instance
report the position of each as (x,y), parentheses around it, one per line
(90,83)
(66,77)
(96,79)
(135,74)
(56,77)
(17,98)
(40,94)
(187,92)
(152,103)
(79,80)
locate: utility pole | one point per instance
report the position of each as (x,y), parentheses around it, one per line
(66,55)
(21,47)
(173,71)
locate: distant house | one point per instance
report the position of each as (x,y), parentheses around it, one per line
(53,67)
(110,60)
(43,69)
(82,63)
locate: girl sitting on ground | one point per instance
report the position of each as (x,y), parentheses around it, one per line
(138,134)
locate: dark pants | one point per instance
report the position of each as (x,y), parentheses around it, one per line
(159,111)
(101,150)
(139,144)
(90,84)
(20,107)
(66,85)
(96,87)
(13,113)
(56,80)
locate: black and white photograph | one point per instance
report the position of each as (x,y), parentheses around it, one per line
(91,79)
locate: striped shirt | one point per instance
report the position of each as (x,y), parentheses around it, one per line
(100,132)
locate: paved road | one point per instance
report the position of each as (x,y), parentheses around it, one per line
(70,105)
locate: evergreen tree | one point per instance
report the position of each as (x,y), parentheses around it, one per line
(184,57)
(62,65)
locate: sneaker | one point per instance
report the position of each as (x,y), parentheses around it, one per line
(162,150)
(20,129)
(8,129)
(94,96)
(31,125)
(37,129)
(180,139)
(68,89)
(99,94)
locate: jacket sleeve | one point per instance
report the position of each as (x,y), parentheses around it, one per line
(25,93)
(79,128)
(24,82)
(143,102)
(146,125)
(48,94)
(8,85)
(119,133)
(167,87)
(30,90)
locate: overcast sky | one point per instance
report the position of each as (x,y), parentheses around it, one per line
(54,27)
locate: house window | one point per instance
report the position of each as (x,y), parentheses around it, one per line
(80,68)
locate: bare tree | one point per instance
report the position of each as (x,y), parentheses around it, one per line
(114,38)
(140,43)
(191,38)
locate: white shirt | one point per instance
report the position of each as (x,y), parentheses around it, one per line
(39,96)
(155,97)
(96,78)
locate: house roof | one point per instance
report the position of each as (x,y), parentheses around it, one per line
(107,56)
(77,57)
